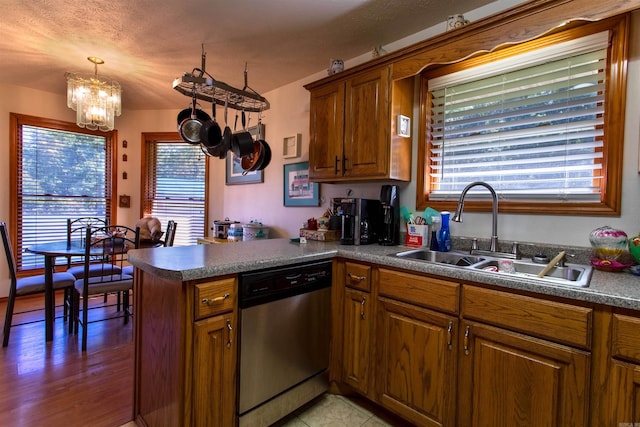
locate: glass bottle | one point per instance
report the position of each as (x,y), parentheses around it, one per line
(435,228)
(444,235)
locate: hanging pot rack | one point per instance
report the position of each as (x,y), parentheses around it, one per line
(208,89)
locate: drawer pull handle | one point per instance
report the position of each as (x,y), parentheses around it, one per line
(466,340)
(450,335)
(364,299)
(209,301)
(357,278)
(229,329)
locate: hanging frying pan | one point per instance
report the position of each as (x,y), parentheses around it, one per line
(242,143)
(210,132)
(189,128)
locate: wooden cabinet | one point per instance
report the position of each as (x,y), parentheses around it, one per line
(416,348)
(446,354)
(357,325)
(185,361)
(352,128)
(624,381)
(514,377)
(214,355)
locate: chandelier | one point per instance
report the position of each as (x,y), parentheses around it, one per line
(96,100)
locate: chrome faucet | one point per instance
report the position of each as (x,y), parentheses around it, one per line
(457,216)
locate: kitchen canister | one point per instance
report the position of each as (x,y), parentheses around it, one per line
(221,228)
(234,232)
(254,231)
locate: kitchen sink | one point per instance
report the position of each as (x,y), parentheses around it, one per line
(452,258)
(570,274)
(577,275)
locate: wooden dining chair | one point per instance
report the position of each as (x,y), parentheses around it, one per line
(111,243)
(25,285)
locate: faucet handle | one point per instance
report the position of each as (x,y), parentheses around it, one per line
(515,250)
(474,244)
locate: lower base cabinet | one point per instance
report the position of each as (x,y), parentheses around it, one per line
(624,371)
(416,363)
(452,355)
(508,379)
(214,371)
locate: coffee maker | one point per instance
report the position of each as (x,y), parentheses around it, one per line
(390,201)
(361,220)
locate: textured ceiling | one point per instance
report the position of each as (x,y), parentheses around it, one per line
(147,43)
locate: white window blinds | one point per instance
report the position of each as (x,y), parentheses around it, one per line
(531,125)
(175,188)
(60,175)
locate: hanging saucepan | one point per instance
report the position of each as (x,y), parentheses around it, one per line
(266,157)
(210,132)
(250,161)
(189,128)
(242,143)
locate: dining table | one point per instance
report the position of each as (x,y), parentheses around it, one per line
(51,251)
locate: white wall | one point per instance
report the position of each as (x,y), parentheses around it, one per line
(288,115)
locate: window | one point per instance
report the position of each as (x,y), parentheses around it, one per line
(175,185)
(534,121)
(62,171)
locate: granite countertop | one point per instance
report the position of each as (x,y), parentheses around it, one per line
(184,263)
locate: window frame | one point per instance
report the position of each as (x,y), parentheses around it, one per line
(15,129)
(610,203)
(145,170)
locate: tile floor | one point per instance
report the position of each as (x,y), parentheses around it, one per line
(331,410)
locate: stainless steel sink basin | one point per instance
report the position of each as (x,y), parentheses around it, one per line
(452,258)
(571,274)
(574,274)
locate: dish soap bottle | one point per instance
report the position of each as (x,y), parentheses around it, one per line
(435,228)
(444,235)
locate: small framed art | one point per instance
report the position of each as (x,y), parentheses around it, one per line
(291,146)
(298,190)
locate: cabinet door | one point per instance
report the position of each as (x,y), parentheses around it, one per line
(366,138)
(509,379)
(356,345)
(326,132)
(416,363)
(214,371)
(625,393)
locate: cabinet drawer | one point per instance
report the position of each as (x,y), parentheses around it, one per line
(357,276)
(215,297)
(626,339)
(419,290)
(561,322)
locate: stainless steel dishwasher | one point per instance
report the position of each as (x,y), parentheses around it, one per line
(284,340)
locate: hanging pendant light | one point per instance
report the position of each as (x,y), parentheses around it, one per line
(96,100)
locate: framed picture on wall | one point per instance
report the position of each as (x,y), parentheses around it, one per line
(298,190)
(235,174)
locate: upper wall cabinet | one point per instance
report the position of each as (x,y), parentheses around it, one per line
(353,133)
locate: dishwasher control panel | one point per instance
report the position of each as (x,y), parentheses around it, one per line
(262,286)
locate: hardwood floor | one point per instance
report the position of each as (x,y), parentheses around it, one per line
(55,384)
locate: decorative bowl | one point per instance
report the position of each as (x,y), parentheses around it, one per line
(608,242)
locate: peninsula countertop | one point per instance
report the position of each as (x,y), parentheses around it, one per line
(186,263)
